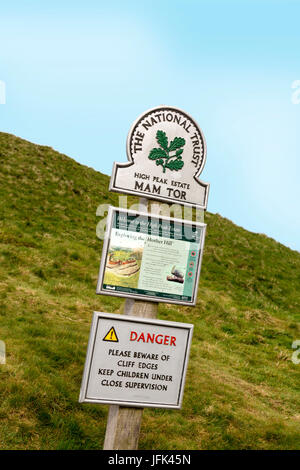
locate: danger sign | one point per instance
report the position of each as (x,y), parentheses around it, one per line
(135,361)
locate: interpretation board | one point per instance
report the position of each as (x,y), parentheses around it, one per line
(143,365)
(151,257)
(166,153)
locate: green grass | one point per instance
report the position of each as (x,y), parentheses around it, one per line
(242,389)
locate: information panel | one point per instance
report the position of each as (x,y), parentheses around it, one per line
(151,257)
(136,362)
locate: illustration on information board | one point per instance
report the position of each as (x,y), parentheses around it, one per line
(176,276)
(122,262)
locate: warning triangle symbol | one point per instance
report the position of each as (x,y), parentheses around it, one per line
(111,336)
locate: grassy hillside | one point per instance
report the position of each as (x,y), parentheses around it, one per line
(242,389)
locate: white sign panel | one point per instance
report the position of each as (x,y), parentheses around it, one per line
(166,151)
(137,362)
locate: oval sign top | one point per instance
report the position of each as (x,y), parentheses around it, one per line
(166,151)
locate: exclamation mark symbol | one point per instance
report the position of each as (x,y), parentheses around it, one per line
(111,335)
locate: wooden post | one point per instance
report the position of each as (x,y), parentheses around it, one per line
(124,423)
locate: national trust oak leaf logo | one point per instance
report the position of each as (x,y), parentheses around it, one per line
(164,155)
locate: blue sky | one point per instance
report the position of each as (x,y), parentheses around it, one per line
(77,74)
